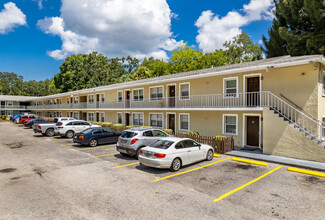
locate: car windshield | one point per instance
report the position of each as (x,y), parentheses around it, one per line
(87,131)
(161,144)
(128,134)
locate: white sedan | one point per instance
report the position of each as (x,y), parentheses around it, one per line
(173,153)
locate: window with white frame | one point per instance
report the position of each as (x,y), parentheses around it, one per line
(138,119)
(51,102)
(230,124)
(9,103)
(75,115)
(91,99)
(184,122)
(138,95)
(54,101)
(68,115)
(91,116)
(184,91)
(119,96)
(68,100)
(156,93)
(60,114)
(102,117)
(156,120)
(59,101)
(230,87)
(102,97)
(76,100)
(119,118)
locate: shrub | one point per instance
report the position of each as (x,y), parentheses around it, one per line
(107,124)
(129,126)
(146,127)
(118,127)
(219,137)
(192,132)
(5,117)
(168,131)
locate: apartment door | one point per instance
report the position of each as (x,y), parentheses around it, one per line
(84,116)
(171,122)
(97,101)
(3,104)
(97,117)
(253,89)
(127,99)
(171,98)
(252,131)
(127,119)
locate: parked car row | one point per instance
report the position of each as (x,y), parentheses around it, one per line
(152,147)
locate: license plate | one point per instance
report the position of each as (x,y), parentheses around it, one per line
(122,151)
(123,141)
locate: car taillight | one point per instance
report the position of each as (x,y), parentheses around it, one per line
(27,123)
(141,152)
(160,155)
(81,137)
(39,127)
(118,139)
(61,127)
(134,140)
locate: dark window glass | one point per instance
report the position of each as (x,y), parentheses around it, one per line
(147,134)
(128,134)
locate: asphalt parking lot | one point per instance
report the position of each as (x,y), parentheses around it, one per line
(52,178)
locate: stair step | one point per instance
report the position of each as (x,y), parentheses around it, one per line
(281,116)
(302,130)
(296,126)
(307,134)
(313,138)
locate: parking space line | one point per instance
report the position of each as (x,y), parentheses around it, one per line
(309,172)
(187,171)
(104,155)
(250,161)
(126,165)
(90,148)
(247,184)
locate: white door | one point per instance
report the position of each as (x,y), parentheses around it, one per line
(193,150)
(181,151)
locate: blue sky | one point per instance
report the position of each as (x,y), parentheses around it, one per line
(36,35)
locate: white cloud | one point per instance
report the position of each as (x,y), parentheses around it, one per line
(215,30)
(11,17)
(114,27)
(39,3)
(72,43)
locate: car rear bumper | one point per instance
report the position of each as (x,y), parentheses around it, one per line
(82,142)
(125,150)
(156,163)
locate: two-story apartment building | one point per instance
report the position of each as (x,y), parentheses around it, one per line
(277,104)
(10,105)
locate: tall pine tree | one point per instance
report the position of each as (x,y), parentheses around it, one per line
(298,28)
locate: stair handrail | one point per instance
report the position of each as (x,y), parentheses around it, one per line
(301,109)
(302,113)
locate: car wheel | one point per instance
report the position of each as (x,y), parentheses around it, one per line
(93,143)
(49,132)
(209,155)
(138,152)
(69,134)
(43,134)
(176,165)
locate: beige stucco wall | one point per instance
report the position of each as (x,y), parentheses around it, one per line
(321,97)
(282,139)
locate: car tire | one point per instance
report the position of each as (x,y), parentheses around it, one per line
(93,143)
(43,134)
(69,134)
(176,165)
(49,132)
(138,152)
(209,155)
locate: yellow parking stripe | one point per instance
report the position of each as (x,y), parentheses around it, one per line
(90,148)
(126,165)
(104,155)
(250,161)
(309,172)
(187,171)
(247,184)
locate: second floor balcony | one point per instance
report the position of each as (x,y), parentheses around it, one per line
(229,100)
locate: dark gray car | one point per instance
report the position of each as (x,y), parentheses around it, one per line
(132,140)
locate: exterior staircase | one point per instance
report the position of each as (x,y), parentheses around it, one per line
(304,123)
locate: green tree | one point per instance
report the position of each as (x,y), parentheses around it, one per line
(11,83)
(300,25)
(88,70)
(242,49)
(141,73)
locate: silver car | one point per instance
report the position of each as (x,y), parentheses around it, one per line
(173,153)
(132,140)
(69,128)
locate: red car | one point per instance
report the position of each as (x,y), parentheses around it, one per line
(24,118)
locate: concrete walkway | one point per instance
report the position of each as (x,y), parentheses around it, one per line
(278,159)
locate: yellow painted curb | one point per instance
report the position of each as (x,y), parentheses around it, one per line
(216,155)
(309,172)
(250,161)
